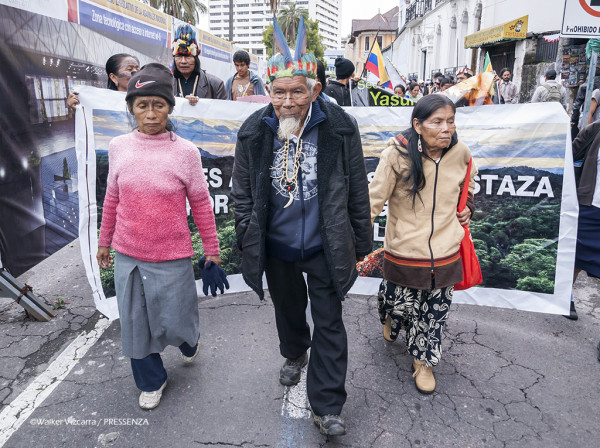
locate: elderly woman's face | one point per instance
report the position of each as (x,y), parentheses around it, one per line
(151,114)
(415,91)
(436,130)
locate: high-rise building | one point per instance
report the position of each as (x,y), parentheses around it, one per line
(251,17)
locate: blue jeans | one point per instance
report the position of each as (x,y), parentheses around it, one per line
(149,373)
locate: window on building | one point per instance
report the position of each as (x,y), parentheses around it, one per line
(380,41)
(367,43)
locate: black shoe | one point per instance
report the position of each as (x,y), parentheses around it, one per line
(289,375)
(330,425)
(572,312)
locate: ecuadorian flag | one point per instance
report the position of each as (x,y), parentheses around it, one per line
(376,65)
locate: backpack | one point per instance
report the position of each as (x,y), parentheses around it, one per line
(553,93)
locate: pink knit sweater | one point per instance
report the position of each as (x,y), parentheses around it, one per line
(144,213)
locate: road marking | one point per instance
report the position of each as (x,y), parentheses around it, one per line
(18,411)
(295,401)
(295,411)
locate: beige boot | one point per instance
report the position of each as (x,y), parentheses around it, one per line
(387,329)
(424,379)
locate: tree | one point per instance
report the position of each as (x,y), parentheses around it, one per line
(313,44)
(289,20)
(186,10)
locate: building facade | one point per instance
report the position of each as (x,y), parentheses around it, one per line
(446,35)
(382,28)
(251,17)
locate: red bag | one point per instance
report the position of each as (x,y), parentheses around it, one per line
(470,263)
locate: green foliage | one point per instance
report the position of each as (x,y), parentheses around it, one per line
(313,44)
(535,284)
(289,20)
(534,258)
(59,303)
(515,238)
(185,10)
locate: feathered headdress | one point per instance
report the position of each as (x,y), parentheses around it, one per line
(185,43)
(282,65)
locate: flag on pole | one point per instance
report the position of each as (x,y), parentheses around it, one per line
(376,65)
(487,64)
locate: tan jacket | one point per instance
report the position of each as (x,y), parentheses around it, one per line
(422,243)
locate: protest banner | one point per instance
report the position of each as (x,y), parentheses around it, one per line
(48,50)
(524,227)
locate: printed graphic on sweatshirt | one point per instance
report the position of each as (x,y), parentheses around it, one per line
(308,168)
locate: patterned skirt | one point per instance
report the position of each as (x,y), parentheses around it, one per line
(421,313)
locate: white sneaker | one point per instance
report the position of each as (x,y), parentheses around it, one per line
(149,400)
(190,359)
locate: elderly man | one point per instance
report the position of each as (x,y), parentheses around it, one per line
(302,207)
(190,81)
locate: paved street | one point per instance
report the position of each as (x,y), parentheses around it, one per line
(507,378)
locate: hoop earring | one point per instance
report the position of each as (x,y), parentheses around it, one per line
(419,146)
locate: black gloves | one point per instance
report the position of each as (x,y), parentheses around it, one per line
(212,276)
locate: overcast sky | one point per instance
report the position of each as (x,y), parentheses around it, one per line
(351,9)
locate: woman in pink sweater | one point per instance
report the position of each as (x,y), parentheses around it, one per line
(152,172)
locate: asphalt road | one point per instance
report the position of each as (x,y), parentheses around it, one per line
(507,378)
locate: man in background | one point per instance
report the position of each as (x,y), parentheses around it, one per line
(245,82)
(339,88)
(550,91)
(506,88)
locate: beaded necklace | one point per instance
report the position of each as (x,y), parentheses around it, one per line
(286,182)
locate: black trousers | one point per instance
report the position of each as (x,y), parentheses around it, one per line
(326,375)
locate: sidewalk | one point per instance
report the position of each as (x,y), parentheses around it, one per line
(507,378)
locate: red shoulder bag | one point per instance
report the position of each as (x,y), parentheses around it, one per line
(470,263)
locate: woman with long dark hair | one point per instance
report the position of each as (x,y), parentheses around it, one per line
(421,174)
(119,69)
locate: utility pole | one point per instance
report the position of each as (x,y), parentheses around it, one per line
(230,20)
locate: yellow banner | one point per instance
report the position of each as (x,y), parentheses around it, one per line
(515,29)
(137,10)
(217,42)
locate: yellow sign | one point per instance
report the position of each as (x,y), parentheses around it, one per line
(515,29)
(207,38)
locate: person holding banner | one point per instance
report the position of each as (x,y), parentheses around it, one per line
(190,81)
(244,82)
(421,174)
(301,200)
(152,172)
(119,68)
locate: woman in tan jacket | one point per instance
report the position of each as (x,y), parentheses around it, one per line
(421,174)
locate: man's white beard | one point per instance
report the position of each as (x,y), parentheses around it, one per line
(286,127)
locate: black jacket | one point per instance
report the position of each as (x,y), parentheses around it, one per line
(339,91)
(344,211)
(583,149)
(208,86)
